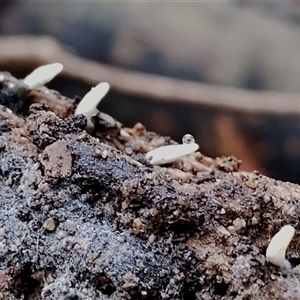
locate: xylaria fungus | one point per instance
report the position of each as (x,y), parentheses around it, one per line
(88,104)
(166,154)
(42,75)
(14,92)
(276,250)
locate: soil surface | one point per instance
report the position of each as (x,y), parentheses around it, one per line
(84,215)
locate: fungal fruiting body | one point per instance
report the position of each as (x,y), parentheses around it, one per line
(12,93)
(88,104)
(42,75)
(276,250)
(166,154)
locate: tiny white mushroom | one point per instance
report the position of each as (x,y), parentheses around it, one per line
(88,104)
(275,253)
(42,75)
(166,154)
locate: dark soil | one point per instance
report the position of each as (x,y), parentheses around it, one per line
(84,216)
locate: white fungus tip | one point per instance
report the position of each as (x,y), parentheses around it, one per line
(166,154)
(42,75)
(277,247)
(88,104)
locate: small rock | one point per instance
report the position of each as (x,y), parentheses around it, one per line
(128,150)
(255,220)
(137,226)
(57,160)
(231,229)
(151,239)
(222,211)
(223,230)
(239,224)
(131,283)
(50,224)
(104,153)
(251,183)
(97,153)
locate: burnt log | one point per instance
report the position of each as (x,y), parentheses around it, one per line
(85,216)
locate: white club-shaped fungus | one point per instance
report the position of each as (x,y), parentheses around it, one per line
(42,75)
(166,154)
(277,247)
(88,104)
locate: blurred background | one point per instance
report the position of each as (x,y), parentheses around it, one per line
(247,45)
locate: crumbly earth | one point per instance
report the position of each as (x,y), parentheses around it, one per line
(84,216)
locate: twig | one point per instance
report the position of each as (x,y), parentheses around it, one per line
(31,52)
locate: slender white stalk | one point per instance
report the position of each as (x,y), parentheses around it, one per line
(88,104)
(276,250)
(42,75)
(166,154)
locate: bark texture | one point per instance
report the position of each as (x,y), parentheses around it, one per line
(84,216)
